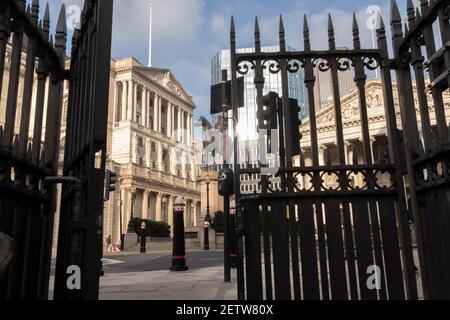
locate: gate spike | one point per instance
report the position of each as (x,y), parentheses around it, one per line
(61,30)
(46,22)
(381,34)
(356,39)
(396,20)
(35,11)
(331,40)
(282,35)
(281,25)
(406,28)
(232,30)
(257,35)
(411,13)
(306,41)
(28,10)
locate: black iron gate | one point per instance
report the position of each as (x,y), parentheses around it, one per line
(81,221)
(427,144)
(34,66)
(29,145)
(308,238)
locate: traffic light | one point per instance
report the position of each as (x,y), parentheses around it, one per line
(226,182)
(268,118)
(110,183)
(295,124)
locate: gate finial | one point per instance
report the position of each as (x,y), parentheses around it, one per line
(356,39)
(411,13)
(282,35)
(307,43)
(257,35)
(331,40)
(35,10)
(396,20)
(61,35)
(381,34)
(232,30)
(46,22)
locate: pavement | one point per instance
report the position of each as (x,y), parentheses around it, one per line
(147,277)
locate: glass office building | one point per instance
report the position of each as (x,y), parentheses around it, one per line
(247,127)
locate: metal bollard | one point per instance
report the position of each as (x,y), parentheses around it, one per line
(179,251)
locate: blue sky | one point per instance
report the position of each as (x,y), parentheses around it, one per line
(187,33)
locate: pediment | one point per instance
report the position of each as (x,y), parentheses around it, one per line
(167,80)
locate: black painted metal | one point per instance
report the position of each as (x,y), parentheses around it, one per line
(179,250)
(6,253)
(427,154)
(81,220)
(309,240)
(27,203)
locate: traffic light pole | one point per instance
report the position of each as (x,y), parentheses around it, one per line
(226,198)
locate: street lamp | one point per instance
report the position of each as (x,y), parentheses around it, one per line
(208,215)
(122,235)
(133,198)
(143,235)
(164,201)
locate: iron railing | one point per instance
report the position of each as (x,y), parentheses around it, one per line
(29,143)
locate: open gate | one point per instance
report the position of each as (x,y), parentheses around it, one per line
(422,53)
(351,239)
(30,135)
(81,220)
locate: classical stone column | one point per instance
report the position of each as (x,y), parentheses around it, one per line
(322,149)
(145,204)
(130,103)
(124,100)
(135,92)
(144,107)
(156,113)
(189,123)
(180,125)
(169,119)
(159,114)
(158,207)
(194,212)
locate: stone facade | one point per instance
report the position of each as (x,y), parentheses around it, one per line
(150,147)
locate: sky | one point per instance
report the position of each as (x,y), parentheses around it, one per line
(188,33)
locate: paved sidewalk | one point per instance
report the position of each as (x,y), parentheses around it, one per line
(198,284)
